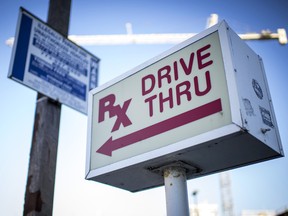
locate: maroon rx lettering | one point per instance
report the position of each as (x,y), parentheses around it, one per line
(106,104)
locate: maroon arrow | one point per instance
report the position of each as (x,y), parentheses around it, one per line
(184,118)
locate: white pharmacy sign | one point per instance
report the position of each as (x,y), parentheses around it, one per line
(203,105)
(49,63)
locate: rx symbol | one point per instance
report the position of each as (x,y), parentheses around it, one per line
(106,104)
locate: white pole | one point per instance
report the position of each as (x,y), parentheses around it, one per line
(176,191)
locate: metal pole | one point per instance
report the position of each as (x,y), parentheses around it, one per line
(176,191)
(43,154)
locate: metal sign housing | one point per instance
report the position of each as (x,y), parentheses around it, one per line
(203,105)
(49,63)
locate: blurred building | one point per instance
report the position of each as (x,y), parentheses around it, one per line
(258,213)
(283,213)
(204,209)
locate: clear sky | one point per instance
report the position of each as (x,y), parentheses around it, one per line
(259,186)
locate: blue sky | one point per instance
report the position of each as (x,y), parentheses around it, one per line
(259,186)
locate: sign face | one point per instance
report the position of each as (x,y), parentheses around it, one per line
(203,105)
(49,63)
(180,96)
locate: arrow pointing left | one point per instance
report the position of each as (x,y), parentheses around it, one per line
(179,120)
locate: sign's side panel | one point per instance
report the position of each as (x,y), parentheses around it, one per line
(49,63)
(178,97)
(255,101)
(89,134)
(230,70)
(278,146)
(20,48)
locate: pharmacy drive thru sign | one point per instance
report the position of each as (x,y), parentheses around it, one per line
(204,105)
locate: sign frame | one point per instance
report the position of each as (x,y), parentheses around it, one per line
(48,62)
(242,142)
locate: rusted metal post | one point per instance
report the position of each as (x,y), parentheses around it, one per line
(176,191)
(43,154)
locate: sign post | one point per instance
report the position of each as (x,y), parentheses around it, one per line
(62,73)
(176,191)
(43,156)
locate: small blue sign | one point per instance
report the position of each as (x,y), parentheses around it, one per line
(49,63)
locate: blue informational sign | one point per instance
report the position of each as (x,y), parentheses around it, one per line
(49,63)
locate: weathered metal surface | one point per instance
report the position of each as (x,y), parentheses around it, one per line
(176,191)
